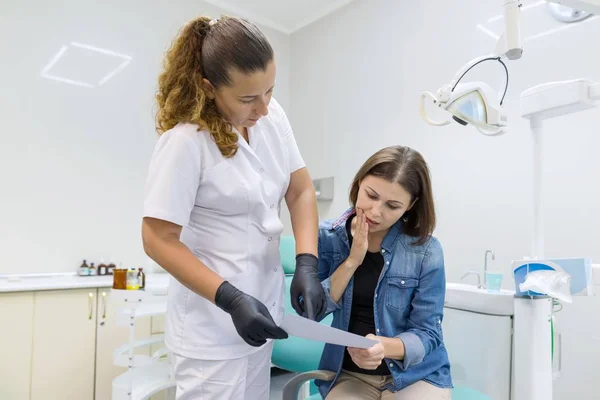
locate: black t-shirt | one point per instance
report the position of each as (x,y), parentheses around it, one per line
(362,320)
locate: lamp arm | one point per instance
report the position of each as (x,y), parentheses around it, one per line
(509,44)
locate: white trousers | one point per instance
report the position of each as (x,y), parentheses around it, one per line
(246,378)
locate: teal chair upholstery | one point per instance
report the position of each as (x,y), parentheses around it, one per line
(287,251)
(301,355)
(295,354)
(465,393)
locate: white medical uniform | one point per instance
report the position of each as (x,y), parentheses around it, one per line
(229,211)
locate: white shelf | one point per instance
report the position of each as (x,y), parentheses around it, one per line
(139,303)
(132,297)
(121,354)
(141,311)
(146,375)
(144,381)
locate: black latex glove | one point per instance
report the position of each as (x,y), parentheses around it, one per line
(252,320)
(307,294)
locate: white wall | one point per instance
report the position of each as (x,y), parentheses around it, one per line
(73,159)
(357,76)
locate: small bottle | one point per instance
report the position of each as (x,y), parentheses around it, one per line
(84,269)
(141,278)
(93,271)
(110,268)
(102,267)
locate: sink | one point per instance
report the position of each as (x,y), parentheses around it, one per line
(469,298)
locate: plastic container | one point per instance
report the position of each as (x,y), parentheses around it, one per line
(494,281)
(133,283)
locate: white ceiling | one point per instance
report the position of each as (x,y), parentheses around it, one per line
(286,16)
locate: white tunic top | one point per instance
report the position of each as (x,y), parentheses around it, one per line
(229,211)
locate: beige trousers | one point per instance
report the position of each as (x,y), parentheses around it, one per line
(354,386)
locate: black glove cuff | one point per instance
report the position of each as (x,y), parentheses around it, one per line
(225,295)
(307,259)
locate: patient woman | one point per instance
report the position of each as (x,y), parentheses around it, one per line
(383,273)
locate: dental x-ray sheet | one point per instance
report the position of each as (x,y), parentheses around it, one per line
(305,328)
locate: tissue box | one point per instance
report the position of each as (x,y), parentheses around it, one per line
(580,270)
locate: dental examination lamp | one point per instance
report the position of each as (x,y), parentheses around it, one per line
(476,103)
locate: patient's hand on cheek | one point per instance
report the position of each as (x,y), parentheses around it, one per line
(367,358)
(360,240)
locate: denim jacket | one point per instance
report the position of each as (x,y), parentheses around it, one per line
(408,304)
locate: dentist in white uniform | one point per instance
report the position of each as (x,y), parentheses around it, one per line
(225,159)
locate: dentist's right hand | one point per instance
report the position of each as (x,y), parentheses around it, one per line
(251,319)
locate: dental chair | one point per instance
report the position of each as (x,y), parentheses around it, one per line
(302,356)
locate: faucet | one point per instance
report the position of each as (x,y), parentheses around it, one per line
(485,266)
(473,273)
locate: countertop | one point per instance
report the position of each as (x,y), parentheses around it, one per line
(65,281)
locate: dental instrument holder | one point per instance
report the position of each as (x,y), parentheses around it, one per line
(533,346)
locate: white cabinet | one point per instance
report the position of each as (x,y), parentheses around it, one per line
(59,344)
(479,347)
(110,336)
(64,344)
(16,334)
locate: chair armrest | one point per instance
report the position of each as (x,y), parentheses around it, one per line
(292,387)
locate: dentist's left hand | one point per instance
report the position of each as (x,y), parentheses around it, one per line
(251,319)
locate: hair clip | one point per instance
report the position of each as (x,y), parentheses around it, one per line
(213,21)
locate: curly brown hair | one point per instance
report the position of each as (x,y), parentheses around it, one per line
(408,168)
(206,48)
